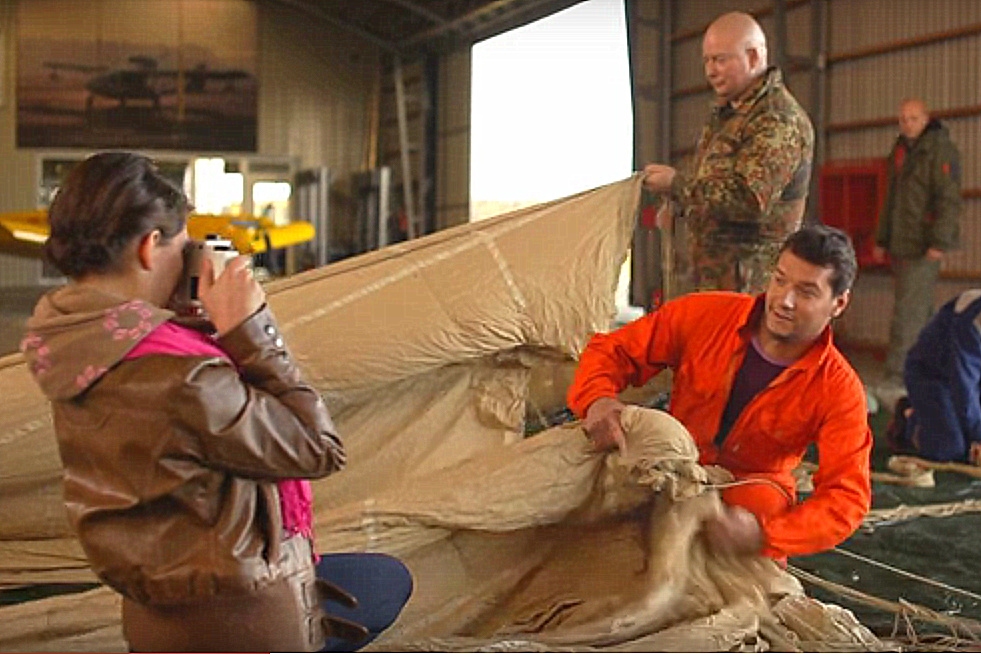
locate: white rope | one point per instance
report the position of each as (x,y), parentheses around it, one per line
(904,608)
(904,512)
(754,480)
(910,575)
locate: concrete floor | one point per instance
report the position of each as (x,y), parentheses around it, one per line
(871,366)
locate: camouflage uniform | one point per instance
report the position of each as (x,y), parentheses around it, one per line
(745,189)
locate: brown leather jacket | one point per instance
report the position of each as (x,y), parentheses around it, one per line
(171,462)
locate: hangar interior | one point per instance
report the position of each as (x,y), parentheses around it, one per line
(347,90)
(332,77)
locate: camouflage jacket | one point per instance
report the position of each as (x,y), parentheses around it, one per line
(745,188)
(923,202)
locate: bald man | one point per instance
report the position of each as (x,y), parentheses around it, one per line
(918,223)
(745,188)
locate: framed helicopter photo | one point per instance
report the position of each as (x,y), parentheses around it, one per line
(168,74)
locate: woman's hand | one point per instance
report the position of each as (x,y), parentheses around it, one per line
(231,297)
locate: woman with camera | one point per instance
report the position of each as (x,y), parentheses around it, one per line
(186,452)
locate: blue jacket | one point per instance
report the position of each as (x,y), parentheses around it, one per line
(947,355)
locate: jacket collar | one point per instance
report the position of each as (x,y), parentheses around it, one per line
(933,130)
(771,78)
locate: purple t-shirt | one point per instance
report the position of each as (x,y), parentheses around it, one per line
(755,374)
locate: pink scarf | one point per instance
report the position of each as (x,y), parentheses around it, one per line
(295,495)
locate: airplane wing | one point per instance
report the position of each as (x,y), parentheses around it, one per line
(148,66)
(24,233)
(250,234)
(195,79)
(77,68)
(226,75)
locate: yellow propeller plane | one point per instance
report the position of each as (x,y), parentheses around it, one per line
(24,233)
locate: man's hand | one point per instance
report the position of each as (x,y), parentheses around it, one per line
(933,254)
(658,177)
(974,454)
(231,297)
(602,425)
(879,254)
(735,532)
(665,217)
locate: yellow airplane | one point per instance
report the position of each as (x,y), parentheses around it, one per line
(24,233)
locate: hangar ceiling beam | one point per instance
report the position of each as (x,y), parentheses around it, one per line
(489,16)
(343,24)
(421,11)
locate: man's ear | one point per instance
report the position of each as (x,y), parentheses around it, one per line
(145,249)
(757,57)
(840,302)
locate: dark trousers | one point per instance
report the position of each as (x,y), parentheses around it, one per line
(381,583)
(914,282)
(934,429)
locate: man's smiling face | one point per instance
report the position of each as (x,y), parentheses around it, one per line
(800,301)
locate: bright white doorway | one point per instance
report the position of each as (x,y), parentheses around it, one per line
(551,112)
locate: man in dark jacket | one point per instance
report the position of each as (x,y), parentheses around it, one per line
(917,226)
(943,374)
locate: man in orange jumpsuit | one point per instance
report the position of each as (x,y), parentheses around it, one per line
(756,380)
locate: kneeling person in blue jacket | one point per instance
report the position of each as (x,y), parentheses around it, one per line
(943,378)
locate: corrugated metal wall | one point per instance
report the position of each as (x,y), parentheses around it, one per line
(691,94)
(315,103)
(879,52)
(453,141)
(450,100)
(436,89)
(17,172)
(316,95)
(315,91)
(317,98)
(417,104)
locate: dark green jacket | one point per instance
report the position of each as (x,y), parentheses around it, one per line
(923,200)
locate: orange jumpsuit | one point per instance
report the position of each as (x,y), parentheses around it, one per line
(818,399)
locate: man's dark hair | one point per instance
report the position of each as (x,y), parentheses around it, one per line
(827,247)
(105,202)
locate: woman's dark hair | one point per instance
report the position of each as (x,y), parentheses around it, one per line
(105,202)
(828,247)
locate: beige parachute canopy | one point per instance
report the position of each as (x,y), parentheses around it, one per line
(430,354)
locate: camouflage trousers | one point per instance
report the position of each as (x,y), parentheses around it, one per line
(728,268)
(915,280)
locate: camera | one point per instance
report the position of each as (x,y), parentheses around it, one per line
(216,249)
